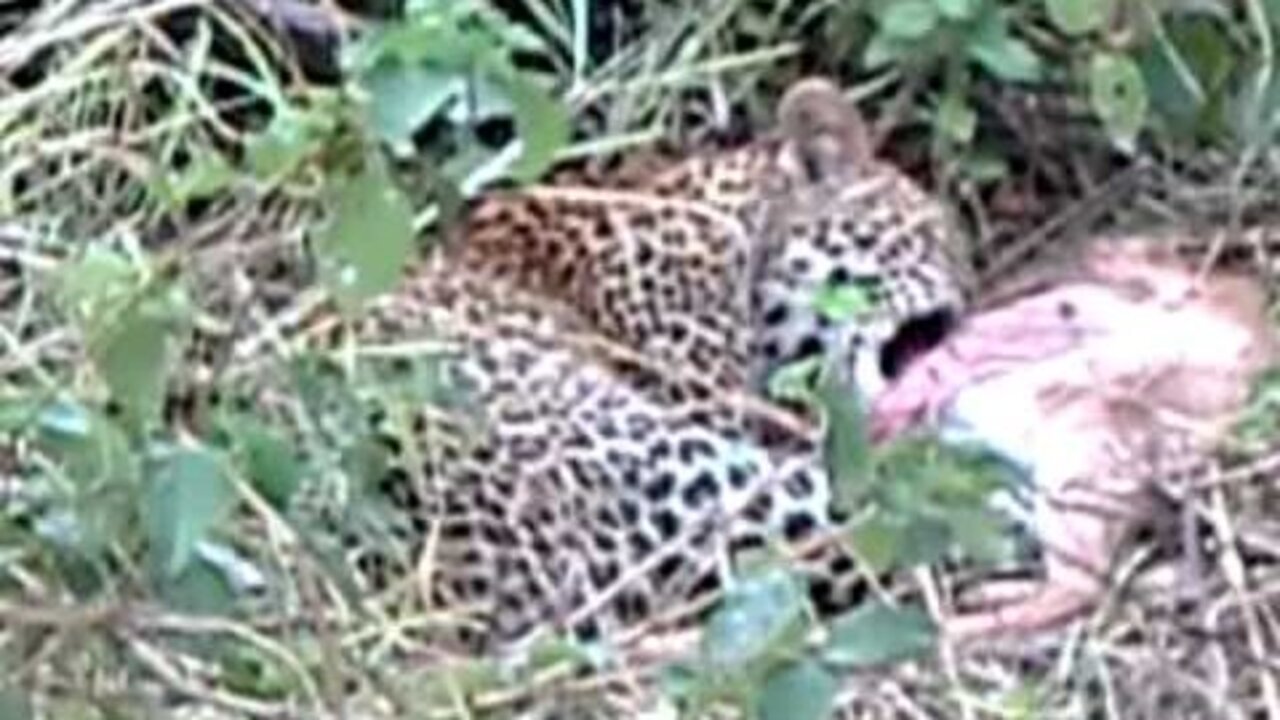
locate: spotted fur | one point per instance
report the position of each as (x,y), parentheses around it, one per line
(569,496)
(585,492)
(712,263)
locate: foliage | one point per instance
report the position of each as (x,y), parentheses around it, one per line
(1190,72)
(758,650)
(173,536)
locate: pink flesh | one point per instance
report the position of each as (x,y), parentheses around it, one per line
(1026,331)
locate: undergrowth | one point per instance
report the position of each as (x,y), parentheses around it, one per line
(183,184)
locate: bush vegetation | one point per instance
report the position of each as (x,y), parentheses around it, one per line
(184,182)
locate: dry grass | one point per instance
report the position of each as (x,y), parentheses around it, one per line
(96,102)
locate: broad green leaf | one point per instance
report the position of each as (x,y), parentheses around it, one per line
(958,9)
(956,119)
(15,705)
(884,49)
(1004,56)
(96,283)
(796,381)
(97,507)
(366,243)
(1186,71)
(1077,17)
(188,494)
(17,413)
(403,98)
(271,463)
(801,691)
(291,138)
(198,588)
(1118,95)
(875,634)
(487,99)
(981,533)
(1271,8)
(984,166)
(756,617)
(909,19)
(133,325)
(846,443)
(542,123)
(134,354)
(841,303)
(878,540)
(925,539)
(1255,105)
(93,451)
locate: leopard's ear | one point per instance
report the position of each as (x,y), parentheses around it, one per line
(824,134)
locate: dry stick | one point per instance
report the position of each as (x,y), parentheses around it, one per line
(933,600)
(155,661)
(25,45)
(1233,568)
(1094,203)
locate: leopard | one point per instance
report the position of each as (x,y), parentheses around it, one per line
(711,263)
(567,492)
(602,470)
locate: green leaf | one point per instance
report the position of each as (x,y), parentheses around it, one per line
(290,139)
(17,413)
(543,126)
(796,381)
(188,494)
(367,242)
(846,442)
(1187,71)
(755,619)
(1077,17)
(199,588)
(134,325)
(93,451)
(403,98)
(925,539)
(958,9)
(878,541)
(15,705)
(271,463)
(884,50)
(981,534)
(843,302)
(876,634)
(801,691)
(909,19)
(1000,54)
(984,166)
(135,354)
(1118,96)
(956,120)
(94,285)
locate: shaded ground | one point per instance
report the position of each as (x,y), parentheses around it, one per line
(98,100)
